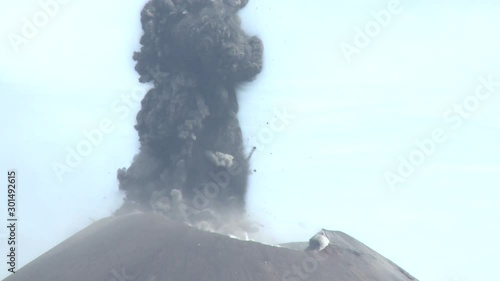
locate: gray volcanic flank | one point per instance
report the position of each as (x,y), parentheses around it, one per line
(150,247)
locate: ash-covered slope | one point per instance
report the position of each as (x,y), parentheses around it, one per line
(149,247)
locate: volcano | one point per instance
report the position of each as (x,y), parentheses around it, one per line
(151,247)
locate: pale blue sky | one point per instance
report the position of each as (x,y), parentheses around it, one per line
(352,121)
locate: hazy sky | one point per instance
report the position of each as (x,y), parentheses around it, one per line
(352,120)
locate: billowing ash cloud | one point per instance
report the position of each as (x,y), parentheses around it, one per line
(191,164)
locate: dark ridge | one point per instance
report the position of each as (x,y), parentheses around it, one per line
(150,247)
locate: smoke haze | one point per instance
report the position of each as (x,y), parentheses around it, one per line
(191,164)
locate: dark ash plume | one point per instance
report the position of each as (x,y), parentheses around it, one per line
(196,54)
